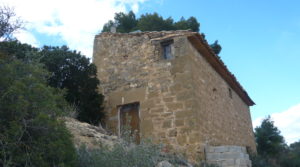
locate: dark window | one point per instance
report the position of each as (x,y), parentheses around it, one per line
(167,49)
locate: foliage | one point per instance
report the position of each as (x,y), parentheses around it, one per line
(190,23)
(15,49)
(128,154)
(74,72)
(9,23)
(269,141)
(144,154)
(126,23)
(154,22)
(149,22)
(291,158)
(125,153)
(30,134)
(69,70)
(107,26)
(259,161)
(216,47)
(272,151)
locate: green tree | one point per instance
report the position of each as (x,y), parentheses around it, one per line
(291,158)
(190,23)
(69,70)
(269,141)
(72,71)
(107,26)
(216,47)
(30,134)
(126,23)
(15,49)
(154,22)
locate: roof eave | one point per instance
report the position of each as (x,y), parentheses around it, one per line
(204,49)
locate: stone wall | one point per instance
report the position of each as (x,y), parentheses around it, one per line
(184,102)
(228,156)
(222,116)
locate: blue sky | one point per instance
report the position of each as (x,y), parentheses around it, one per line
(260,41)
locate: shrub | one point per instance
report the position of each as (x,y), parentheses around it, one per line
(30,134)
(259,161)
(128,154)
(145,154)
(69,70)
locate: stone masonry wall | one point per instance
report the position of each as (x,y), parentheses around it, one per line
(228,156)
(178,103)
(223,119)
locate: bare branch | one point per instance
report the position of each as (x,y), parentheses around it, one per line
(9,23)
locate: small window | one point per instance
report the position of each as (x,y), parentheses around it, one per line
(167,49)
(230,92)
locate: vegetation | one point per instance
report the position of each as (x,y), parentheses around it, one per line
(128,154)
(30,134)
(125,153)
(291,157)
(9,23)
(69,70)
(38,86)
(271,148)
(216,47)
(126,23)
(269,141)
(72,71)
(145,154)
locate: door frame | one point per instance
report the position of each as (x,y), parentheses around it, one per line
(119,116)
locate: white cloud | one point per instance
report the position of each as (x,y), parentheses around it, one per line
(288,122)
(26,37)
(75,21)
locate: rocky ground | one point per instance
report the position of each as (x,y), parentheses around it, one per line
(96,137)
(89,135)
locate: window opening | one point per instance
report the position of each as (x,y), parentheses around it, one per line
(167,49)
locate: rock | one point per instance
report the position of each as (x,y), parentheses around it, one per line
(189,165)
(89,135)
(164,164)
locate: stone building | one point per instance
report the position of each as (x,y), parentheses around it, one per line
(174,89)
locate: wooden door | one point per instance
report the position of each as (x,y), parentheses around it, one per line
(129,120)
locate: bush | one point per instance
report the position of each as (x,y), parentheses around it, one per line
(144,155)
(30,134)
(259,161)
(128,154)
(69,70)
